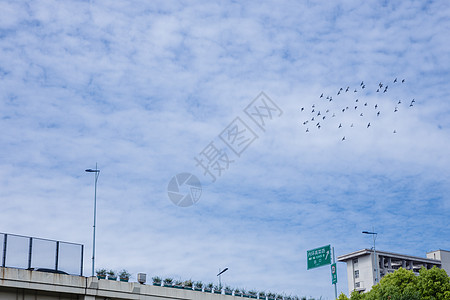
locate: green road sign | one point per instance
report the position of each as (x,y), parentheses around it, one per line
(319,257)
(333,274)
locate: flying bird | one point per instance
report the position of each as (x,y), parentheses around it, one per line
(339,93)
(307,129)
(403,80)
(343,138)
(356,107)
(395,80)
(364,86)
(399,101)
(396,109)
(361,114)
(378,114)
(356,100)
(362,83)
(365,104)
(355,91)
(302,109)
(340,125)
(376,106)
(368,125)
(395,131)
(321,95)
(378,90)
(346,90)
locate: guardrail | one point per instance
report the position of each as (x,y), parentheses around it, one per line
(25,252)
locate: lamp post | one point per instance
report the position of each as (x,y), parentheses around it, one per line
(374,234)
(220,273)
(97,173)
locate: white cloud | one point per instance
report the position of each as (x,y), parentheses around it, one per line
(143,88)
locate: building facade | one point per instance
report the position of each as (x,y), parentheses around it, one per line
(364,269)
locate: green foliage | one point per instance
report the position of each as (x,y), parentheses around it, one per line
(433,284)
(342,296)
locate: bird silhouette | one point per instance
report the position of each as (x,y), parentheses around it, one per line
(343,109)
(362,83)
(323,118)
(361,114)
(343,138)
(399,101)
(376,106)
(355,91)
(307,129)
(395,80)
(378,90)
(346,90)
(368,125)
(395,131)
(396,109)
(364,86)
(340,125)
(318,113)
(365,104)
(356,107)
(321,95)
(302,109)
(356,100)
(378,114)
(403,80)
(339,93)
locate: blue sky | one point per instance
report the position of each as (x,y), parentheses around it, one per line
(142,88)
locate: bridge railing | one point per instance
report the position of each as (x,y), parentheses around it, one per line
(25,252)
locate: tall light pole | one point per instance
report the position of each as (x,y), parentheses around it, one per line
(374,234)
(97,173)
(220,273)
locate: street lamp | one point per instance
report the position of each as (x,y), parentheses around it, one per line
(97,173)
(220,273)
(374,234)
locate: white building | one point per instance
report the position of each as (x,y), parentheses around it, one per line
(362,272)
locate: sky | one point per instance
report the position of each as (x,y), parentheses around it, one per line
(224,91)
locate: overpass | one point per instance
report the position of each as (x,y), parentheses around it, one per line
(20,284)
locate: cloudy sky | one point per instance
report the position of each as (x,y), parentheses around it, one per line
(148,88)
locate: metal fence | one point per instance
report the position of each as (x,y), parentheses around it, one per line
(24,252)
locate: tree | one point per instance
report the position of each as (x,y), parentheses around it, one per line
(342,296)
(433,284)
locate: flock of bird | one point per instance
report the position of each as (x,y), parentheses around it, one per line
(329,108)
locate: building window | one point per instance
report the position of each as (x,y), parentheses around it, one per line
(356,273)
(355,261)
(357,284)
